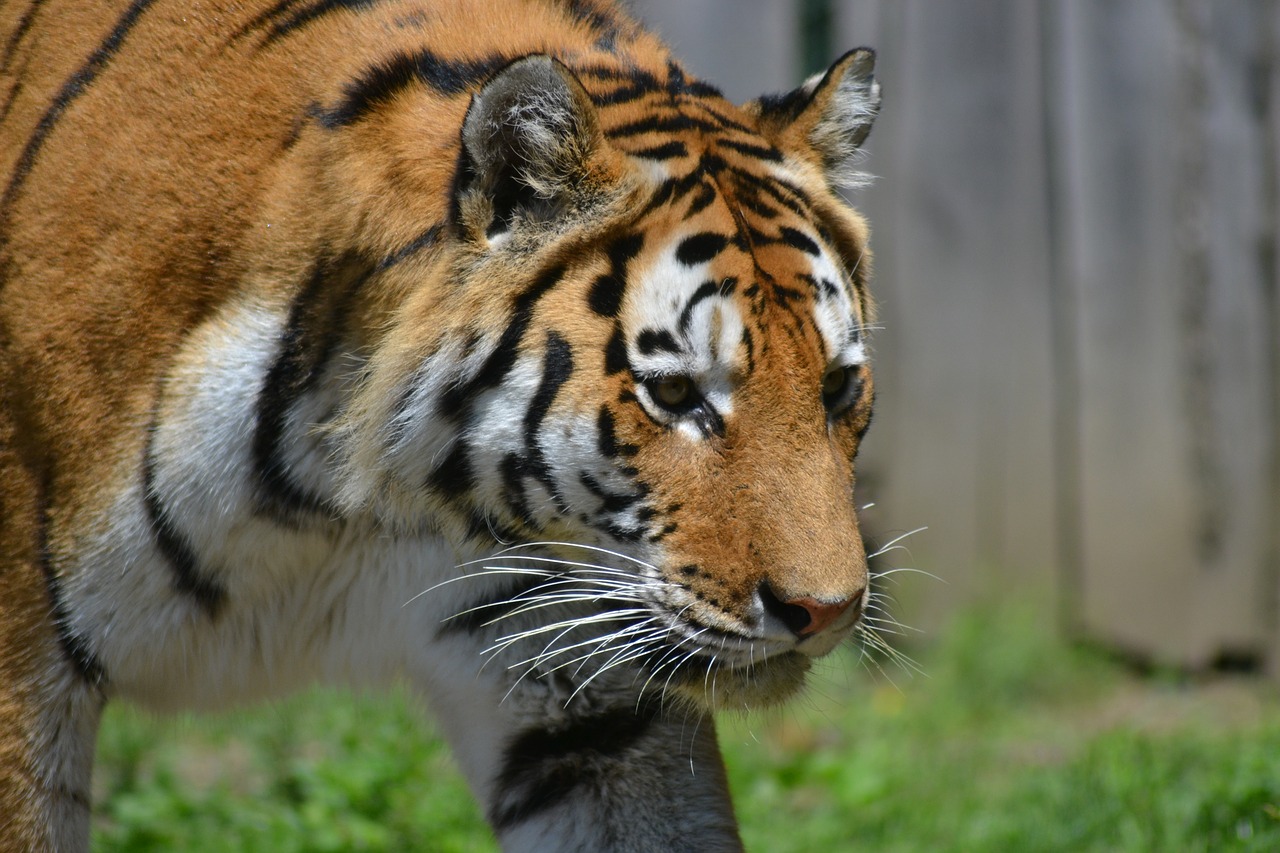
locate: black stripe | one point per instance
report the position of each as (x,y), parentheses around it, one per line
(454,477)
(705,290)
(667,529)
(607,73)
(308,14)
(513,470)
(823,287)
(660,196)
(700,248)
(541,768)
(702,89)
(557,367)
(499,363)
(706,195)
(785,295)
(607,443)
(675,79)
(720,118)
(665,151)
(605,296)
(652,340)
(309,340)
(75,86)
(661,124)
(382,82)
(598,19)
(783,185)
(748,185)
(623,94)
(786,106)
(760,152)
(12,95)
(424,240)
(610,502)
(24,24)
(673,189)
(188,579)
(752,202)
(799,240)
(262,19)
(75,647)
(616,359)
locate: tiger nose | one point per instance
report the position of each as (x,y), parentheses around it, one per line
(805,616)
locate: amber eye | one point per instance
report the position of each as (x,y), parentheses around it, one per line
(836,384)
(833,381)
(672,392)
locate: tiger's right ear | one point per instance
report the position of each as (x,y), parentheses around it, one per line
(828,118)
(527,142)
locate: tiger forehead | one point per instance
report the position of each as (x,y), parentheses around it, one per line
(713,272)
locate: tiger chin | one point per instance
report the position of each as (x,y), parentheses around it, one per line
(471,345)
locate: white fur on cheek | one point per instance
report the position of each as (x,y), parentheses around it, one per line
(836,315)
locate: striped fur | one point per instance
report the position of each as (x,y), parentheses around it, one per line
(469,343)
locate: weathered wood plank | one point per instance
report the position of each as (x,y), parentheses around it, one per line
(962,441)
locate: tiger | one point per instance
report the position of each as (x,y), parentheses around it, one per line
(470,345)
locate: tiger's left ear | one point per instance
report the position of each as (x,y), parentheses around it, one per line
(527,141)
(830,115)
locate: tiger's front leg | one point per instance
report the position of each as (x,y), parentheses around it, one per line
(561,766)
(600,774)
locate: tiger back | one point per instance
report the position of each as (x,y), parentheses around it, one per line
(470,344)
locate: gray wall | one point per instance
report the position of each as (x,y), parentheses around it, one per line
(1075,225)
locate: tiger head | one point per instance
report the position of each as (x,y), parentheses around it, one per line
(642,336)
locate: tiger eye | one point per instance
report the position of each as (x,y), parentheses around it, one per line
(834,380)
(672,391)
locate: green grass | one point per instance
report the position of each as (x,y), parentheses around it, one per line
(1013,741)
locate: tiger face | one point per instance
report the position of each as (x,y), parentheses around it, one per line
(686,349)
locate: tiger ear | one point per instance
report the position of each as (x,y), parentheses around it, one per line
(527,140)
(830,115)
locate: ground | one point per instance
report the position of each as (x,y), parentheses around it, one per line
(1011,739)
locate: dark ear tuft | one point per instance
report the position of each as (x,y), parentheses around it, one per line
(526,140)
(830,115)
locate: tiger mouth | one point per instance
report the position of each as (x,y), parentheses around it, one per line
(630,626)
(720,669)
(719,685)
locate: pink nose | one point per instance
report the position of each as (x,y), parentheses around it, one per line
(821,614)
(805,616)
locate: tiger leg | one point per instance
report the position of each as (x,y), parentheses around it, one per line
(600,775)
(49,712)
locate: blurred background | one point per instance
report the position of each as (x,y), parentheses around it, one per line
(1074,227)
(1075,224)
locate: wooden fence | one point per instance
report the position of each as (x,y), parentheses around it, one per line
(1075,230)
